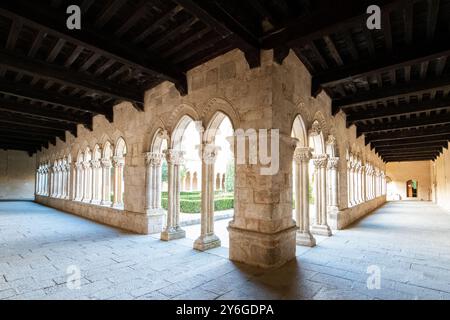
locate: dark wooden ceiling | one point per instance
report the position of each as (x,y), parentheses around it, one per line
(392,83)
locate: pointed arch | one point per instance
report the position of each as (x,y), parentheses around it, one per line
(121,147)
(298,131)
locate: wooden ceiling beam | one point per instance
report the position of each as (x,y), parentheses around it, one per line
(34,123)
(400,58)
(94,40)
(23,108)
(400,110)
(417,141)
(382,94)
(28,92)
(404,124)
(216,17)
(71,78)
(407,134)
(329,16)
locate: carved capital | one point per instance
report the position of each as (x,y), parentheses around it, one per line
(86,164)
(106,163)
(118,161)
(209,153)
(320,161)
(95,164)
(154,158)
(302,154)
(333,163)
(174,157)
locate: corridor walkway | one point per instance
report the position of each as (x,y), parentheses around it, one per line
(40,248)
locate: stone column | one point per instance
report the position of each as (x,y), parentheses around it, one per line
(155,213)
(363,184)
(153,162)
(96,182)
(64,181)
(87,181)
(207,239)
(332,166)
(119,163)
(80,182)
(52,181)
(106,185)
(70,181)
(321,227)
(301,183)
(173,230)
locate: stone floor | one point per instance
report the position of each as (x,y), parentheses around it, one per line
(40,248)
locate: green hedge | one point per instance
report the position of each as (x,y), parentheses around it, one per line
(190,202)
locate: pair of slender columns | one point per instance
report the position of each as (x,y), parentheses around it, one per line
(321,227)
(301,182)
(96,181)
(207,239)
(87,173)
(332,166)
(119,163)
(80,182)
(153,162)
(106,179)
(173,230)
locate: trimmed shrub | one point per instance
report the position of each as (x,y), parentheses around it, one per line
(191,202)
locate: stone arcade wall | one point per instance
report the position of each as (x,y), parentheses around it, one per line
(401,172)
(271,96)
(440,177)
(17,175)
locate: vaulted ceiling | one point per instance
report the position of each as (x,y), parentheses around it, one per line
(393,83)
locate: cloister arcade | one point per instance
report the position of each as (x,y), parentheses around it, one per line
(96,177)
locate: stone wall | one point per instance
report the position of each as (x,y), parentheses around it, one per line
(440,176)
(400,172)
(17,175)
(267,97)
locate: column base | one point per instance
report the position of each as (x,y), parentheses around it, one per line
(321,230)
(265,250)
(97,202)
(305,239)
(173,234)
(117,205)
(207,242)
(155,219)
(106,203)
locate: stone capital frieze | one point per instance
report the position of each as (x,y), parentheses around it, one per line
(302,154)
(174,157)
(333,163)
(320,161)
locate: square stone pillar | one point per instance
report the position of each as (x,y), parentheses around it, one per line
(263,232)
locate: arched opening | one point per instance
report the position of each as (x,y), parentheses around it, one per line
(301,186)
(411,188)
(182,156)
(107,174)
(318,178)
(217,185)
